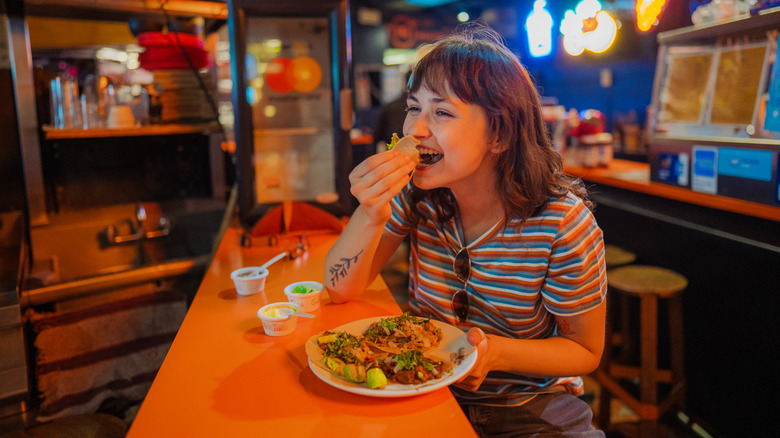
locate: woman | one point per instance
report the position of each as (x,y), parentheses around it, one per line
(502,242)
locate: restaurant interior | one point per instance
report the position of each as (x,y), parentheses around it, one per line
(150,147)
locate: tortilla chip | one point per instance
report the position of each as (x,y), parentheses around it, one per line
(385,348)
(314,352)
(408,147)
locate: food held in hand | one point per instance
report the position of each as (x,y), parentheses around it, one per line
(406,146)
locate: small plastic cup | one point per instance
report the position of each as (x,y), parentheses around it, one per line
(278,319)
(249,280)
(308,301)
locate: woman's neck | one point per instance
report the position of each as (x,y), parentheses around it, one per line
(479,212)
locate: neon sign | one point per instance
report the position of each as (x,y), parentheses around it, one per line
(538,26)
(587,27)
(647,13)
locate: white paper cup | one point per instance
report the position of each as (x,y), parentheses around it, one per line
(281,325)
(307,302)
(249,280)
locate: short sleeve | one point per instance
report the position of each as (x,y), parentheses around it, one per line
(576,278)
(399,222)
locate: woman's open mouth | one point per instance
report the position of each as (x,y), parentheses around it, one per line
(428,156)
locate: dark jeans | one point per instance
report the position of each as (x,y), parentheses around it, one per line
(557,414)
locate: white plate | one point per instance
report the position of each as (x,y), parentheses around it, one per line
(454,347)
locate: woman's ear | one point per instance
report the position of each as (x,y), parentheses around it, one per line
(495,145)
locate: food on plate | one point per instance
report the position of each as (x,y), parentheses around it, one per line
(333,350)
(406,146)
(355,372)
(390,350)
(413,368)
(403,333)
(376,378)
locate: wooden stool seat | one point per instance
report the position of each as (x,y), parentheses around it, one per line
(615,256)
(649,284)
(641,279)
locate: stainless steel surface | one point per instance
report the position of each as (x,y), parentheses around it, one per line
(136,230)
(101,283)
(74,255)
(13,365)
(14,389)
(24,90)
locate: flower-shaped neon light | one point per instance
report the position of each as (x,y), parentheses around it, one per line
(587,27)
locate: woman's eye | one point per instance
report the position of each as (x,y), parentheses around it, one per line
(412,109)
(443,113)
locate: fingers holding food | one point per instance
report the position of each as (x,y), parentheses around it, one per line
(406,146)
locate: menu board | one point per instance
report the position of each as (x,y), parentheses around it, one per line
(737,84)
(684,92)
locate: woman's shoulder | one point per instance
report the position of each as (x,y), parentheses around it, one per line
(562,206)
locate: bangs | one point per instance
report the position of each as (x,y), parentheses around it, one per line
(442,71)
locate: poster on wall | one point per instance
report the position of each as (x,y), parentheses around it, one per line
(685,88)
(704,176)
(738,81)
(673,168)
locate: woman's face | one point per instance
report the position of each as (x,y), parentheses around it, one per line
(454,143)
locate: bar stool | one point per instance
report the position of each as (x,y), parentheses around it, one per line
(616,256)
(618,305)
(648,284)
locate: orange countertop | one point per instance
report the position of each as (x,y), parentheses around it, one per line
(223,376)
(635,176)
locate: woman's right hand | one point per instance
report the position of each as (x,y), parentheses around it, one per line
(375,182)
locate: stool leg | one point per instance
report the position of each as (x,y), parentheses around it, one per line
(648,321)
(605,397)
(677,346)
(625,326)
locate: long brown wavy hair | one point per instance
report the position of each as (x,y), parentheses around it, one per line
(475,65)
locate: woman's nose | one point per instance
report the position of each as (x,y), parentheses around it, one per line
(416,126)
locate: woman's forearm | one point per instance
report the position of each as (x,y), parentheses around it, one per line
(575,350)
(348,265)
(551,357)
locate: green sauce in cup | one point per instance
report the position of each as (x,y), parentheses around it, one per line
(301,289)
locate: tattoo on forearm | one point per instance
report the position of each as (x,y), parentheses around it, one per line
(339,270)
(565,328)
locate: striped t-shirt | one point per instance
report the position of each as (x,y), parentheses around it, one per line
(522,274)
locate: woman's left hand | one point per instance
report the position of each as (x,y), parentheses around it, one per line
(471,382)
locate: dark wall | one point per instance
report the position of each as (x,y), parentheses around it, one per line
(574,81)
(12,192)
(730,305)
